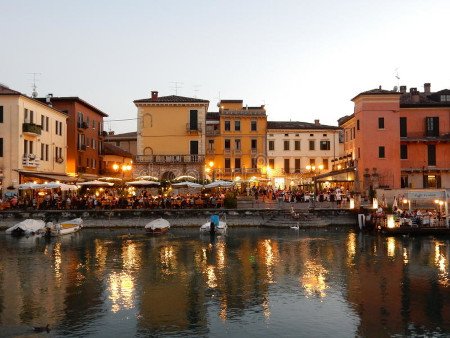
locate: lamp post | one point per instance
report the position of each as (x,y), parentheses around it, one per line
(123,168)
(313,170)
(210,169)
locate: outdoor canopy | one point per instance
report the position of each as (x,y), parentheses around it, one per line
(186,184)
(143,183)
(96,183)
(220,184)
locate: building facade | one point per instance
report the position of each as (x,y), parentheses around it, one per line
(298,151)
(84,135)
(236,141)
(170,136)
(33,141)
(125,141)
(399,139)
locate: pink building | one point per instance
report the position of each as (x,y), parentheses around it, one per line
(399,139)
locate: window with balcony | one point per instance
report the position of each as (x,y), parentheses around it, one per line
(312,144)
(286,145)
(297,145)
(237,125)
(324,145)
(403,151)
(381,123)
(403,127)
(286,165)
(381,152)
(271,145)
(227,125)
(253,125)
(432,126)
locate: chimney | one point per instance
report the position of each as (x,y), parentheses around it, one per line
(414,95)
(316,122)
(154,95)
(403,89)
(48,99)
(427,88)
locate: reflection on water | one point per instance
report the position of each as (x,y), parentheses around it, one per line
(251,282)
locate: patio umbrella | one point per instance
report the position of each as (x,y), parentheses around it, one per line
(143,183)
(186,184)
(28,185)
(220,184)
(185,178)
(97,183)
(110,179)
(148,178)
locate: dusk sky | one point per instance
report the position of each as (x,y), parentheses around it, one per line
(304,60)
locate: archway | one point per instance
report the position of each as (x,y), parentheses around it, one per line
(168,176)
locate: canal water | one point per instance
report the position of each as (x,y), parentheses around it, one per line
(253,282)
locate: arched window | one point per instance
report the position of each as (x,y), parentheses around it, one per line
(147,121)
(148,151)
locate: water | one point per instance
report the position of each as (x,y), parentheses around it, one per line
(253,282)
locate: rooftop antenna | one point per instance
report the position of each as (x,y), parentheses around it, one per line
(176,85)
(34,93)
(196,90)
(397,77)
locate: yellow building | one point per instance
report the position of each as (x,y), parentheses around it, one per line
(236,141)
(170,136)
(33,141)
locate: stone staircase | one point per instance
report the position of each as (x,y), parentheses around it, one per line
(287,219)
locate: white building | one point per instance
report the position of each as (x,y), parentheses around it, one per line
(33,141)
(296,151)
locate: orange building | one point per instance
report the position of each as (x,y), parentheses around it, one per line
(84,134)
(399,139)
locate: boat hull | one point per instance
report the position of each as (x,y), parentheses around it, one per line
(221,229)
(157,227)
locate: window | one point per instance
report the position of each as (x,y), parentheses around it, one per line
(357,124)
(237,144)
(286,135)
(403,151)
(381,152)
(324,145)
(297,145)
(325,163)
(431,154)
(359,152)
(381,123)
(42,121)
(253,125)
(237,125)
(93,163)
(431,181)
(227,144)
(46,151)
(312,145)
(254,163)
(311,135)
(94,144)
(117,143)
(312,161)
(237,163)
(403,127)
(227,163)
(286,165)
(42,151)
(211,144)
(1,114)
(193,148)
(445,98)
(1,147)
(271,145)
(286,145)
(271,163)
(227,125)
(432,126)
(193,120)
(254,144)
(324,135)
(56,127)
(404,182)
(297,165)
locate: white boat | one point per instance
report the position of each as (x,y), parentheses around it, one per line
(27,227)
(64,228)
(220,227)
(158,226)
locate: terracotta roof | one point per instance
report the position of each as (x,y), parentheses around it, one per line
(75,99)
(378,91)
(212,116)
(432,99)
(344,119)
(231,101)
(171,98)
(297,125)
(4,90)
(109,149)
(132,134)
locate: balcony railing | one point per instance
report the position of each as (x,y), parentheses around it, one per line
(210,151)
(237,151)
(162,159)
(31,128)
(81,147)
(82,125)
(193,128)
(30,160)
(414,136)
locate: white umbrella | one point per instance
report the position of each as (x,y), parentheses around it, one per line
(217,184)
(149,178)
(143,183)
(110,179)
(28,185)
(185,177)
(187,184)
(97,183)
(68,187)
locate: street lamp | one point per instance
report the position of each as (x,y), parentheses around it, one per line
(123,168)
(210,169)
(313,170)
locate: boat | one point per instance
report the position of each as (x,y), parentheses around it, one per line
(63,228)
(220,227)
(158,226)
(28,227)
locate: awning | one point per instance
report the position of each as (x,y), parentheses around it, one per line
(334,175)
(50,176)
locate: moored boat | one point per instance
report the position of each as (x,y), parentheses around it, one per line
(214,226)
(28,227)
(64,228)
(158,226)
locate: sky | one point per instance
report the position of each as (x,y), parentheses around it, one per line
(304,60)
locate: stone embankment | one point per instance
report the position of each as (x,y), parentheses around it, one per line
(190,217)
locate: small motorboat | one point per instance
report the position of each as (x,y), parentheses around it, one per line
(158,226)
(63,228)
(28,227)
(214,226)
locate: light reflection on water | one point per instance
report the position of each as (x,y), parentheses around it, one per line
(251,282)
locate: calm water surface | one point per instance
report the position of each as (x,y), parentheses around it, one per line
(252,282)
